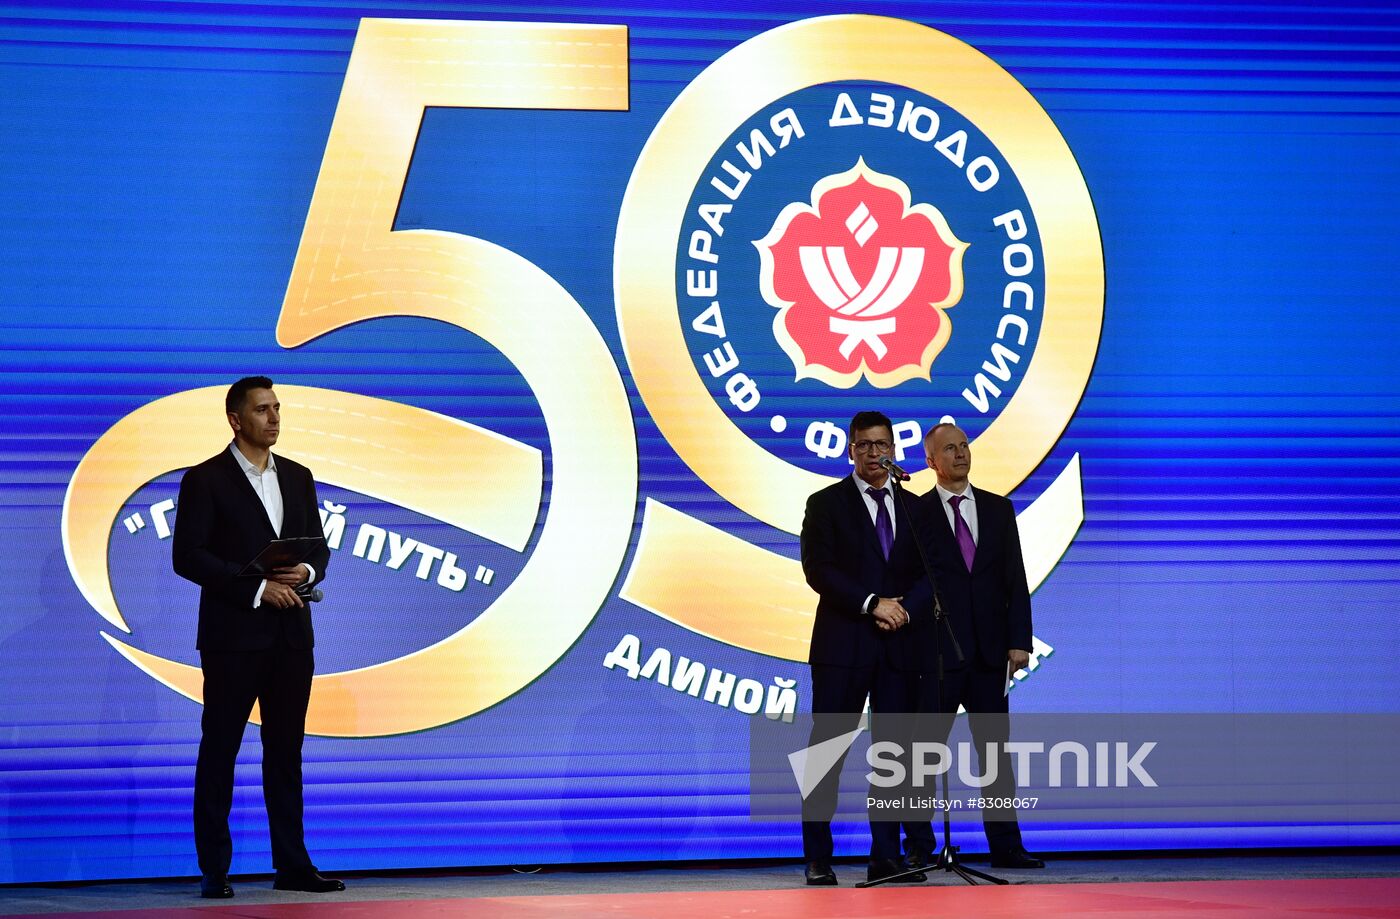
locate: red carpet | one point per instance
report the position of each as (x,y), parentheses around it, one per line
(1292,899)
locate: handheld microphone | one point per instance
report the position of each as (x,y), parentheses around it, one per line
(889,466)
(310,594)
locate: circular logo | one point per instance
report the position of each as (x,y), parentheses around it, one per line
(899,226)
(908,278)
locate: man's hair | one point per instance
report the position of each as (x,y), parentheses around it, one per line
(928,438)
(238,392)
(863,420)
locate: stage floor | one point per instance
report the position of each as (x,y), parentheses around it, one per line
(1289,885)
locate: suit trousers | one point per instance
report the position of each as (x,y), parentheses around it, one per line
(279,679)
(981,691)
(838,698)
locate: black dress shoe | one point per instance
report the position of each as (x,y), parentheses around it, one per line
(916,857)
(819,874)
(306,881)
(214,888)
(881,868)
(1016,858)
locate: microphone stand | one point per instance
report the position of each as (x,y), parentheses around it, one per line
(947,859)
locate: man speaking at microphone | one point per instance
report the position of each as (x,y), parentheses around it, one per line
(860,554)
(255,636)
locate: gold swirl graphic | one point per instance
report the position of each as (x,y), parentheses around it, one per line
(377,448)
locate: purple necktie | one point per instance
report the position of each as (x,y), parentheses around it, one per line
(963,534)
(884,527)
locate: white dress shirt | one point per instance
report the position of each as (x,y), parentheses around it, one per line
(269,491)
(264,482)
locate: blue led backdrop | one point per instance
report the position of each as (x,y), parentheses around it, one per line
(568,307)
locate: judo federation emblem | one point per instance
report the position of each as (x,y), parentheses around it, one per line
(861,279)
(844,245)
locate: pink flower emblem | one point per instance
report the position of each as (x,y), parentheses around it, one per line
(861,279)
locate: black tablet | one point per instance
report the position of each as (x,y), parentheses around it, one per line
(282,553)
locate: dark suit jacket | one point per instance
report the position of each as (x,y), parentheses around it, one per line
(220,525)
(989,608)
(842,562)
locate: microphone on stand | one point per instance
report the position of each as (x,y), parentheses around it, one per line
(889,466)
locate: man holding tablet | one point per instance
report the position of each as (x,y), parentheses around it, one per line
(255,637)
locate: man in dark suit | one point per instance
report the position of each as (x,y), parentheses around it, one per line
(255,635)
(859,553)
(982,586)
